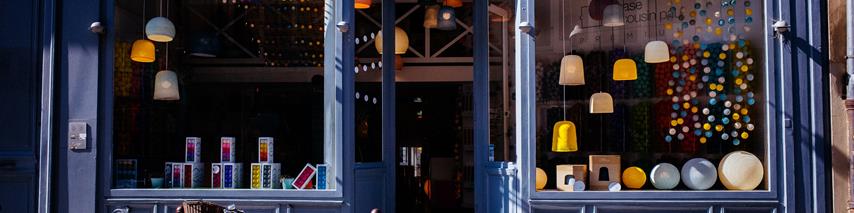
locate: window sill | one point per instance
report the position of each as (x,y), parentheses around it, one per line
(223,193)
(656,195)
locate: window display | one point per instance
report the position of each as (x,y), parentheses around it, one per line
(670,90)
(202,89)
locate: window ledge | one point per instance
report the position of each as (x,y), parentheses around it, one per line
(277,194)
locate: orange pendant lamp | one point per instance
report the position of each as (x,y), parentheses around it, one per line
(454,3)
(363,4)
(625,70)
(143,49)
(564,138)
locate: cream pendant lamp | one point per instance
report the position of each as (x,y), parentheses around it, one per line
(601,102)
(431,16)
(613,15)
(160,29)
(571,66)
(401,41)
(656,51)
(166,83)
(362,4)
(143,49)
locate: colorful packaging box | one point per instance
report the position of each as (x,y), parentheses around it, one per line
(177,175)
(167,175)
(226,175)
(265,176)
(193,149)
(305,176)
(227,151)
(192,174)
(320,178)
(265,149)
(125,173)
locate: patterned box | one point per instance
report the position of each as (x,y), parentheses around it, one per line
(266,176)
(192,174)
(320,179)
(177,175)
(231,175)
(305,176)
(227,151)
(265,149)
(193,148)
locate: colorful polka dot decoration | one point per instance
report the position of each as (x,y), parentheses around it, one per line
(696,22)
(709,92)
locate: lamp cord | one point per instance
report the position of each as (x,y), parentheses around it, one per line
(563,47)
(143,19)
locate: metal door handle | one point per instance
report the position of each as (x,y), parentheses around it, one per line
(122,210)
(343,26)
(96,27)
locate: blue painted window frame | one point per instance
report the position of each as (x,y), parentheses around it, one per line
(338,122)
(778,143)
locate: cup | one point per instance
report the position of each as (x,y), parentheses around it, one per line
(156,183)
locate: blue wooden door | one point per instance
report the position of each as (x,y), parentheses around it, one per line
(20,78)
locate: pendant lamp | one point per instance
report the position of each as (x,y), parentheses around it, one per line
(625,70)
(431,16)
(447,19)
(571,71)
(166,86)
(454,3)
(564,137)
(160,29)
(613,15)
(142,51)
(401,41)
(601,102)
(656,52)
(362,4)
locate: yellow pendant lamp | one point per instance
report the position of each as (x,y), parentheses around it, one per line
(564,138)
(625,70)
(601,102)
(571,71)
(454,3)
(401,41)
(362,4)
(142,51)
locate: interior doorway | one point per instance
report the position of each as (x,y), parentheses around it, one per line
(435,143)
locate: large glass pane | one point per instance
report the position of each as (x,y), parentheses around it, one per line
(235,100)
(501,77)
(684,113)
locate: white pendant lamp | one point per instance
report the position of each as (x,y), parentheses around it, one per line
(613,16)
(166,86)
(166,83)
(571,71)
(656,52)
(601,102)
(160,29)
(401,41)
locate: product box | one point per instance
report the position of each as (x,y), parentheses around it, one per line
(305,176)
(125,173)
(192,174)
(167,175)
(265,149)
(193,149)
(265,175)
(227,151)
(226,175)
(177,175)
(320,178)
(216,175)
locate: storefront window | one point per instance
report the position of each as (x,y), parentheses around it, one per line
(618,112)
(502,50)
(221,95)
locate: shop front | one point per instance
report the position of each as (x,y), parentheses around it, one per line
(485,106)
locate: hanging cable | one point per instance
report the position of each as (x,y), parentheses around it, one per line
(563,47)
